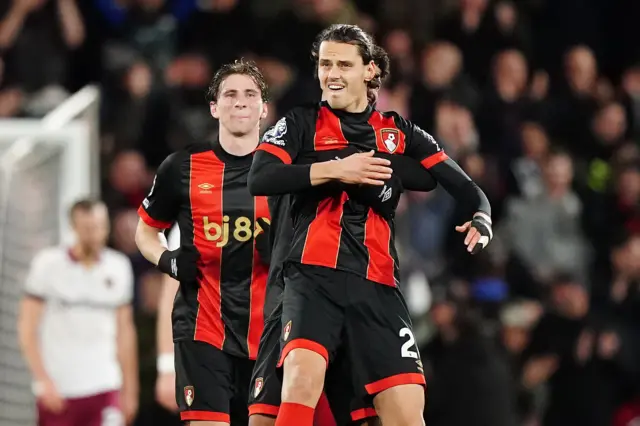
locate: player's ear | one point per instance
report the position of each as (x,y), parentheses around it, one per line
(265,111)
(370,71)
(213,107)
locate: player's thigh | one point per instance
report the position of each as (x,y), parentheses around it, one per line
(204,382)
(347,408)
(103,410)
(312,314)
(380,341)
(265,387)
(67,417)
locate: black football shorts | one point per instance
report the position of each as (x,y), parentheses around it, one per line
(266,382)
(329,311)
(211,385)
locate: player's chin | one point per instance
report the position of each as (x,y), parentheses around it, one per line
(337,100)
(241,130)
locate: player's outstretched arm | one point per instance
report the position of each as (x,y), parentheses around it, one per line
(413,176)
(423,147)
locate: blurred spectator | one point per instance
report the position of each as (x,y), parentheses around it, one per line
(544,232)
(464,368)
(505,107)
(128,180)
(525,177)
(580,355)
(38,32)
(441,74)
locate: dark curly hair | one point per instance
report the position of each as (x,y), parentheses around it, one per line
(368,50)
(240,66)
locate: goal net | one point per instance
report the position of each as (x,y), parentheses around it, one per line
(45,165)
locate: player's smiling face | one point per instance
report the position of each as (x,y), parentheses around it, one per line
(239,106)
(343,75)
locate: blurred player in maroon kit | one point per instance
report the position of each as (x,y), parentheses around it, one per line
(340,291)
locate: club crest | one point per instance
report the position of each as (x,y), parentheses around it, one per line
(287,330)
(189,394)
(258,387)
(391,139)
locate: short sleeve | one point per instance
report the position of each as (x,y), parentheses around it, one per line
(37,277)
(422,147)
(160,207)
(283,139)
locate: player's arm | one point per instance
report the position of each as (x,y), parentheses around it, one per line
(127,348)
(273,171)
(413,176)
(165,365)
(29,319)
(158,212)
(423,147)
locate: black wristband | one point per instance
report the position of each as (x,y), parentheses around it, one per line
(167,262)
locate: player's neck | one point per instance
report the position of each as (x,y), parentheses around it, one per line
(84,255)
(359,106)
(239,145)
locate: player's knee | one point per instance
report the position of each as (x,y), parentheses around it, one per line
(304,372)
(401,406)
(261,420)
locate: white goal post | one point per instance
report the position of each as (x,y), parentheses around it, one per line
(45,165)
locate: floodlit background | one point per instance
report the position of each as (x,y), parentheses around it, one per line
(538,100)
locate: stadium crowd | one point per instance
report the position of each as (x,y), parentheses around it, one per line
(538,100)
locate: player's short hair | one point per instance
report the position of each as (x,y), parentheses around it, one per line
(240,66)
(369,51)
(84,205)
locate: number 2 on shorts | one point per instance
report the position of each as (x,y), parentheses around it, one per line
(405,352)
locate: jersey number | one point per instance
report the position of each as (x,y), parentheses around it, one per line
(405,352)
(243,230)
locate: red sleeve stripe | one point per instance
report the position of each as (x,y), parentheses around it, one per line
(434,159)
(277,151)
(151,221)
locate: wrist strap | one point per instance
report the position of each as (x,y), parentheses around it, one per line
(165,363)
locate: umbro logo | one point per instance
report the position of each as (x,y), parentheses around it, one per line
(205,188)
(385,194)
(174,267)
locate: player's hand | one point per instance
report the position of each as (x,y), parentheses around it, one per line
(129,403)
(166,391)
(383,201)
(479,232)
(363,168)
(50,398)
(263,243)
(180,264)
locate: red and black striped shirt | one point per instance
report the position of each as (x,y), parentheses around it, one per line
(205,190)
(330,229)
